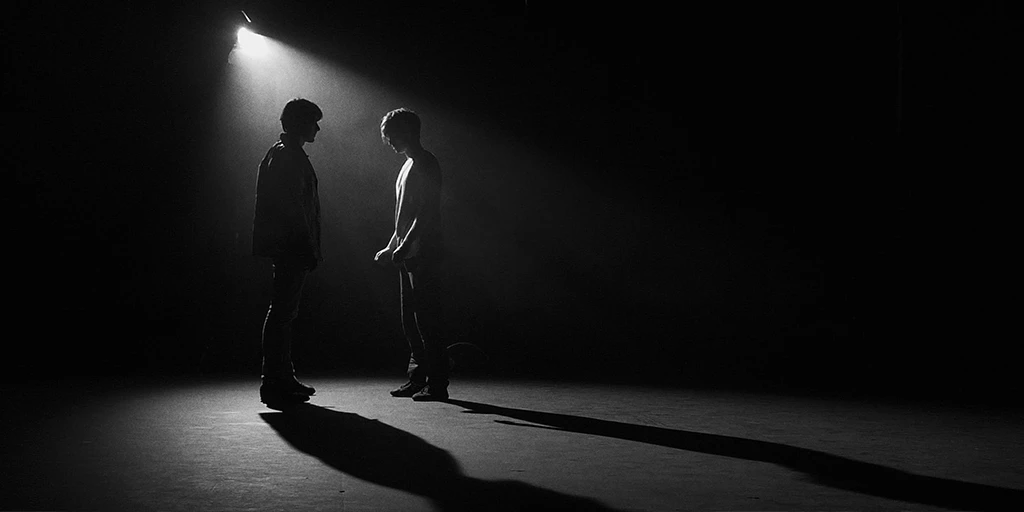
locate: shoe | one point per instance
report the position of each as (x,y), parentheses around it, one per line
(408,389)
(292,384)
(431,394)
(276,396)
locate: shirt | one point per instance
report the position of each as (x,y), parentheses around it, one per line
(418,205)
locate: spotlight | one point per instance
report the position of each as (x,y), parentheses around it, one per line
(251,42)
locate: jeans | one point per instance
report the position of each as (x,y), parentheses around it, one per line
(289,277)
(422,322)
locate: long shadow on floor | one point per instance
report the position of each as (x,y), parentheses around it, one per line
(376,452)
(823,468)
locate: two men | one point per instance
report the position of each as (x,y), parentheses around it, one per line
(286,228)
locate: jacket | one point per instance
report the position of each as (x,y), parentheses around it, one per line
(287,219)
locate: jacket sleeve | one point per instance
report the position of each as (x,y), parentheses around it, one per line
(286,186)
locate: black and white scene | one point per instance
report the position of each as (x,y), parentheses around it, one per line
(510,255)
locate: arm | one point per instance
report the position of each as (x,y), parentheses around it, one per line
(288,184)
(421,205)
(383,256)
(401,251)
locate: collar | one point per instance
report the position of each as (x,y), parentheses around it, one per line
(292,142)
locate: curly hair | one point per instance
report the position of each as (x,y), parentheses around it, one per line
(400,120)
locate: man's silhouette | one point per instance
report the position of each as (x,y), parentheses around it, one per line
(415,248)
(286,228)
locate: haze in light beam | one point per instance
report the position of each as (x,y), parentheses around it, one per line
(356,170)
(504,201)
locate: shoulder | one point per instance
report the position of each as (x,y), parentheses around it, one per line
(426,162)
(431,159)
(284,155)
(274,151)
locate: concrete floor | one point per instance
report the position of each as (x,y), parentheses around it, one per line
(498,445)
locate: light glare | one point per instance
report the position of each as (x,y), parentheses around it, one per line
(250,42)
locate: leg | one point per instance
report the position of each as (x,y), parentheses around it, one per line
(427,320)
(277,328)
(417,369)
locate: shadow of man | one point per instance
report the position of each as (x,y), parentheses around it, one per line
(376,452)
(823,468)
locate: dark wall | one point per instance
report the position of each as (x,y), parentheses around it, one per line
(719,193)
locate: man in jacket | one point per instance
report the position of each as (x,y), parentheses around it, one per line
(286,228)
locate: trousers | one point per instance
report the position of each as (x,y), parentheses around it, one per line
(422,322)
(289,277)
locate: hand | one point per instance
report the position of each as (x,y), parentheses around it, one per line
(382,258)
(398,256)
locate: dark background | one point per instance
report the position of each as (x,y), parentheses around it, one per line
(718,194)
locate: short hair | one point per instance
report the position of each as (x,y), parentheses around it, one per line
(299,113)
(401,120)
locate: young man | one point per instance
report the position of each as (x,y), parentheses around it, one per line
(415,248)
(286,228)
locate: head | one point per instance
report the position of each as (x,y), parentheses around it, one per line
(300,118)
(400,128)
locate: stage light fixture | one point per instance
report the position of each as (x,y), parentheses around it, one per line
(251,42)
